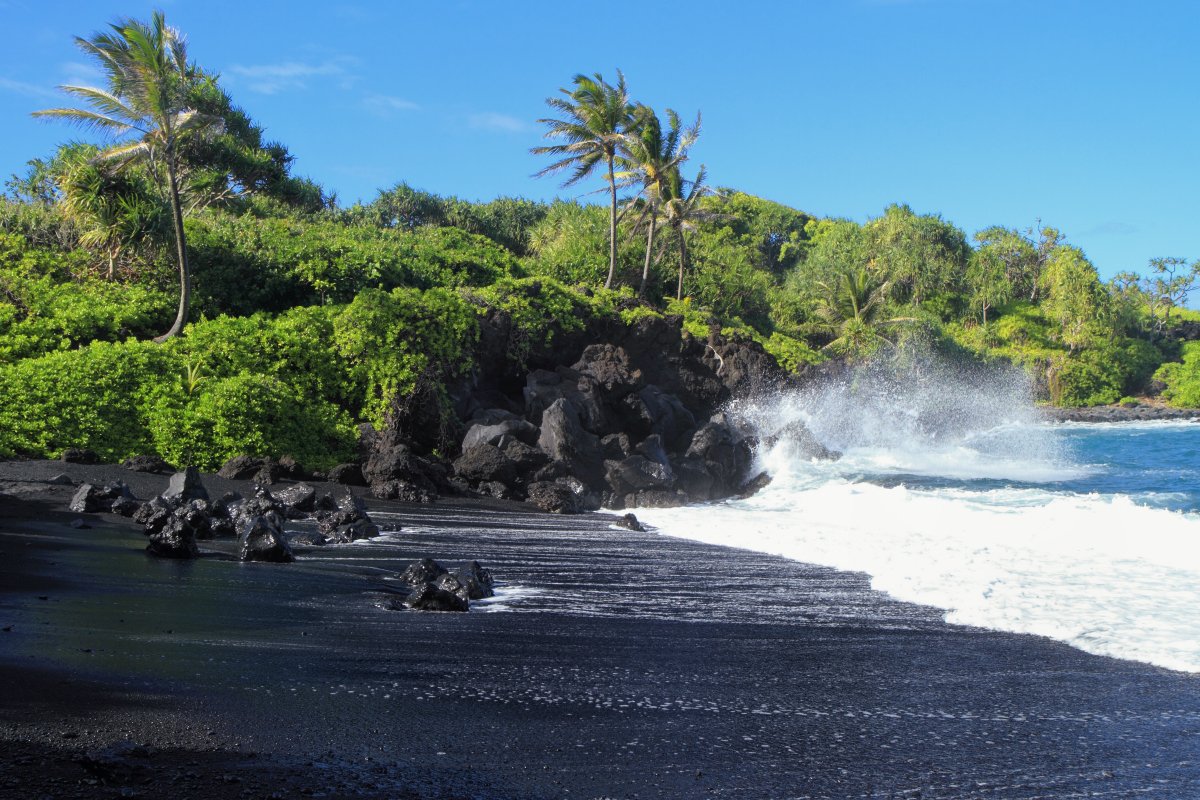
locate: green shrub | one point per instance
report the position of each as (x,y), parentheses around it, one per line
(540,308)
(295,347)
(246,264)
(390,341)
(48,302)
(252,415)
(1182,378)
(94,397)
(790,353)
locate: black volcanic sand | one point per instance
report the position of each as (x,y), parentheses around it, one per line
(613,664)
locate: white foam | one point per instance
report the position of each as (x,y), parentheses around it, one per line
(1100,572)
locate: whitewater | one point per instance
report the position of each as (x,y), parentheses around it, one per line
(952,492)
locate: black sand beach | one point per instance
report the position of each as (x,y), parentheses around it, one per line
(612,664)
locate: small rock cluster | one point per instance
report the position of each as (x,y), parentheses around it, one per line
(432,587)
(177,519)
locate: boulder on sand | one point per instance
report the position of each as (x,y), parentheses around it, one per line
(89,499)
(186,486)
(428,597)
(263,539)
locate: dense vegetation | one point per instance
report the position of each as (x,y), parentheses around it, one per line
(304,319)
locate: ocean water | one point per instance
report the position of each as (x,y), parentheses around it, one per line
(952,492)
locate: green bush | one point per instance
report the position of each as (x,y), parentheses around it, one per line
(391,341)
(246,264)
(94,397)
(48,302)
(540,308)
(295,347)
(248,414)
(1182,378)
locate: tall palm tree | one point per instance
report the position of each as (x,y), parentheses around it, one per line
(682,210)
(651,156)
(595,118)
(149,78)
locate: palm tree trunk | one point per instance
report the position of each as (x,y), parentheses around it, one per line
(649,250)
(185,275)
(612,225)
(683,263)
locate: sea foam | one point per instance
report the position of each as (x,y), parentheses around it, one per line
(950,493)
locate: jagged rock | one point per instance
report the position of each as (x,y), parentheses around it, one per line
(146,464)
(240,468)
(89,499)
(653,411)
(268,474)
(61,479)
(629,522)
(476,580)
(347,475)
(428,597)
(186,486)
(175,537)
(505,430)
(726,457)
(693,477)
(306,539)
(125,506)
(353,531)
(653,449)
(563,438)
(425,570)
(224,507)
(485,462)
(221,528)
(525,459)
(755,484)
(637,473)
(79,455)
(656,498)
(153,514)
(400,464)
(290,468)
(616,446)
(403,491)
(348,509)
(262,539)
(449,582)
(262,503)
(609,366)
(796,436)
(554,497)
(300,497)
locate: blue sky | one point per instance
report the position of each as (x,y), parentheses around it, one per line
(1085,115)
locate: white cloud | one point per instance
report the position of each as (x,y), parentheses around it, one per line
(27,89)
(285,75)
(493,121)
(387,105)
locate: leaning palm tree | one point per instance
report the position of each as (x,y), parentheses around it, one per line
(651,156)
(682,211)
(145,108)
(596,117)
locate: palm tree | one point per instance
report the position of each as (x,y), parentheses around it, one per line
(650,158)
(149,79)
(596,117)
(852,307)
(682,210)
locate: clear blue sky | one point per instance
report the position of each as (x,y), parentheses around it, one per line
(1085,115)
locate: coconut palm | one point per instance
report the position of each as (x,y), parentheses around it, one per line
(853,309)
(682,210)
(651,157)
(595,118)
(149,79)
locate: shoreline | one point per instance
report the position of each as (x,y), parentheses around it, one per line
(1118,413)
(623,672)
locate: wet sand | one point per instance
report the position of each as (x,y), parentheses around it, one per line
(613,664)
